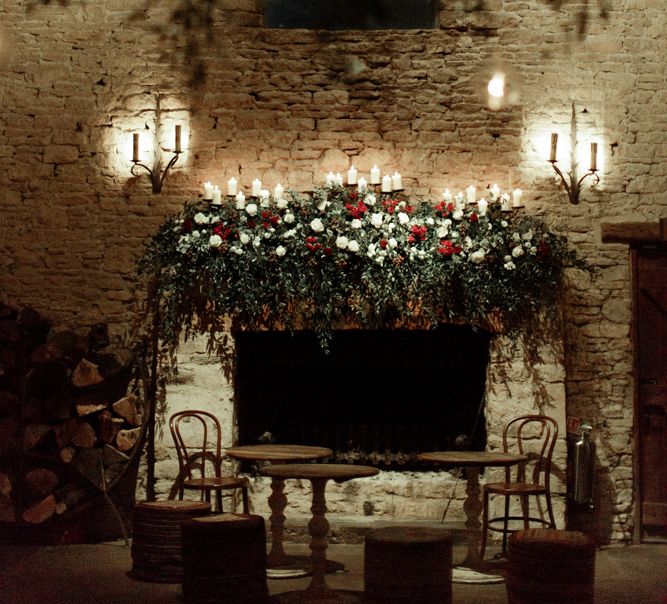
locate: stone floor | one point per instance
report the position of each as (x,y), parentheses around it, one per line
(97,574)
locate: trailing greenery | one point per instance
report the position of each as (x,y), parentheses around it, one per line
(340,257)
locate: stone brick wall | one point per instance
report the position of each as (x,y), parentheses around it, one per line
(289,106)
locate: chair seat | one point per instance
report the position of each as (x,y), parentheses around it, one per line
(515,488)
(214,482)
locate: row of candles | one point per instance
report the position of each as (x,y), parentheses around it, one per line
(387,183)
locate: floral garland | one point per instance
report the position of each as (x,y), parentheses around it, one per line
(340,256)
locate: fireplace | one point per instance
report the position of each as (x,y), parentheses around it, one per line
(378,397)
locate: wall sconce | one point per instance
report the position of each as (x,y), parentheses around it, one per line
(571,180)
(156,174)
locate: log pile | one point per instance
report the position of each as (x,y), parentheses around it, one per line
(71,416)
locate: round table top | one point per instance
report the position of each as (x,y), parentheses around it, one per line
(278,453)
(335,471)
(473,458)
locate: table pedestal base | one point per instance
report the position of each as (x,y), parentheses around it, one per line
(462,574)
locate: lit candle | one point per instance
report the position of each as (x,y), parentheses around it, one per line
(278,192)
(471,194)
(256,187)
(594,157)
(459,200)
(339,179)
(217,195)
(208,190)
(352,176)
(446,195)
(177,142)
(495,191)
(505,203)
(375,175)
(386,183)
(516,198)
(396,182)
(482,206)
(329,179)
(554,144)
(135,147)
(232,186)
(362,184)
(240,200)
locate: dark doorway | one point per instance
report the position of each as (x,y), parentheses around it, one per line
(378,397)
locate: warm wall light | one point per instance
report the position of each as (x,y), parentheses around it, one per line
(571,180)
(156,173)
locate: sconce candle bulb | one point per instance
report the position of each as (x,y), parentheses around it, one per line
(156,174)
(594,157)
(177,142)
(554,145)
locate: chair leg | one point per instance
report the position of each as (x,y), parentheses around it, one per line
(485,525)
(244,494)
(506,523)
(524,511)
(218,500)
(550,510)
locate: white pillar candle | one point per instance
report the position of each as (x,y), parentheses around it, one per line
(232,186)
(471,194)
(278,192)
(361,185)
(339,179)
(256,187)
(135,147)
(396,181)
(208,190)
(264,197)
(386,183)
(352,176)
(482,206)
(217,195)
(240,200)
(495,191)
(177,139)
(459,201)
(505,202)
(329,179)
(375,175)
(516,198)
(446,195)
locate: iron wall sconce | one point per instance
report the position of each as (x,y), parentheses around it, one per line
(156,174)
(571,180)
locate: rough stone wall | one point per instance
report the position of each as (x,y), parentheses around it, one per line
(291,105)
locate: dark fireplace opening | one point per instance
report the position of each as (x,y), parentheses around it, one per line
(377,397)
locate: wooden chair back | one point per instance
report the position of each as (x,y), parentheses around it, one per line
(199,449)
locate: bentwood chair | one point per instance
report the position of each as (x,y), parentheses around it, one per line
(197,437)
(534,436)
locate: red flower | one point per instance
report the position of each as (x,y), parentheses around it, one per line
(384,243)
(356,210)
(187,225)
(312,244)
(543,249)
(474,217)
(447,248)
(419,232)
(223,231)
(390,205)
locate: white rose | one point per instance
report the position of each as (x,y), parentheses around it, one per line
(353,246)
(251,209)
(289,218)
(478,256)
(528,235)
(403,218)
(322,205)
(508,266)
(245,238)
(356,223)
(317,225)
(257,242)
(442,231)
(280,250)
(457,214)
(392,243)
(290,233)
(503,223)
(517,251)
(238,250)
(201,218)
(370,200)
(215,241)
(430,221)
(376,220)
(342,242)
(281,203)
(372,248)
(195,234)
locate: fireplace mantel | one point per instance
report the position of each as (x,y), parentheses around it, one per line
(634,232)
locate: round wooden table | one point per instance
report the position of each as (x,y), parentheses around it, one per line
(318,527)
(471,569)
(279,564)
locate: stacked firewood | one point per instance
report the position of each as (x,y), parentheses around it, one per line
(71,416)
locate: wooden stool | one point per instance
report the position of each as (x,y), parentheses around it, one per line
(408,564)
(224,558)
(156,538)
(550,566)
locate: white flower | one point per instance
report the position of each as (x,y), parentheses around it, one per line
(442,231)
(370,200)
(356,223)
(467,243)
(289,218)
(215,241)
(392,243)
(244,238)
(508,266)
(503,223)
(403,218)
(317,225)
(353,246)
(507,258)
(517,251)
(323,205)
(237,250)
(342,242)
(290,233)
(195,234)
(257,241)
(201,218)
(457,214)
(528,235)
(372,250)
(430,221)
(281,204)
(280,250)
(376,220)
(251,209)
(478,256)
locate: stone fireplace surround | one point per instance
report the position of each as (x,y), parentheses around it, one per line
(514,386)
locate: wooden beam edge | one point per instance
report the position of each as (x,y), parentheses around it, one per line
(634,232)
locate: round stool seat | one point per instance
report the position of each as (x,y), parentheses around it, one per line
(549,565)
(408,564)
(224,558)
(156,538)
